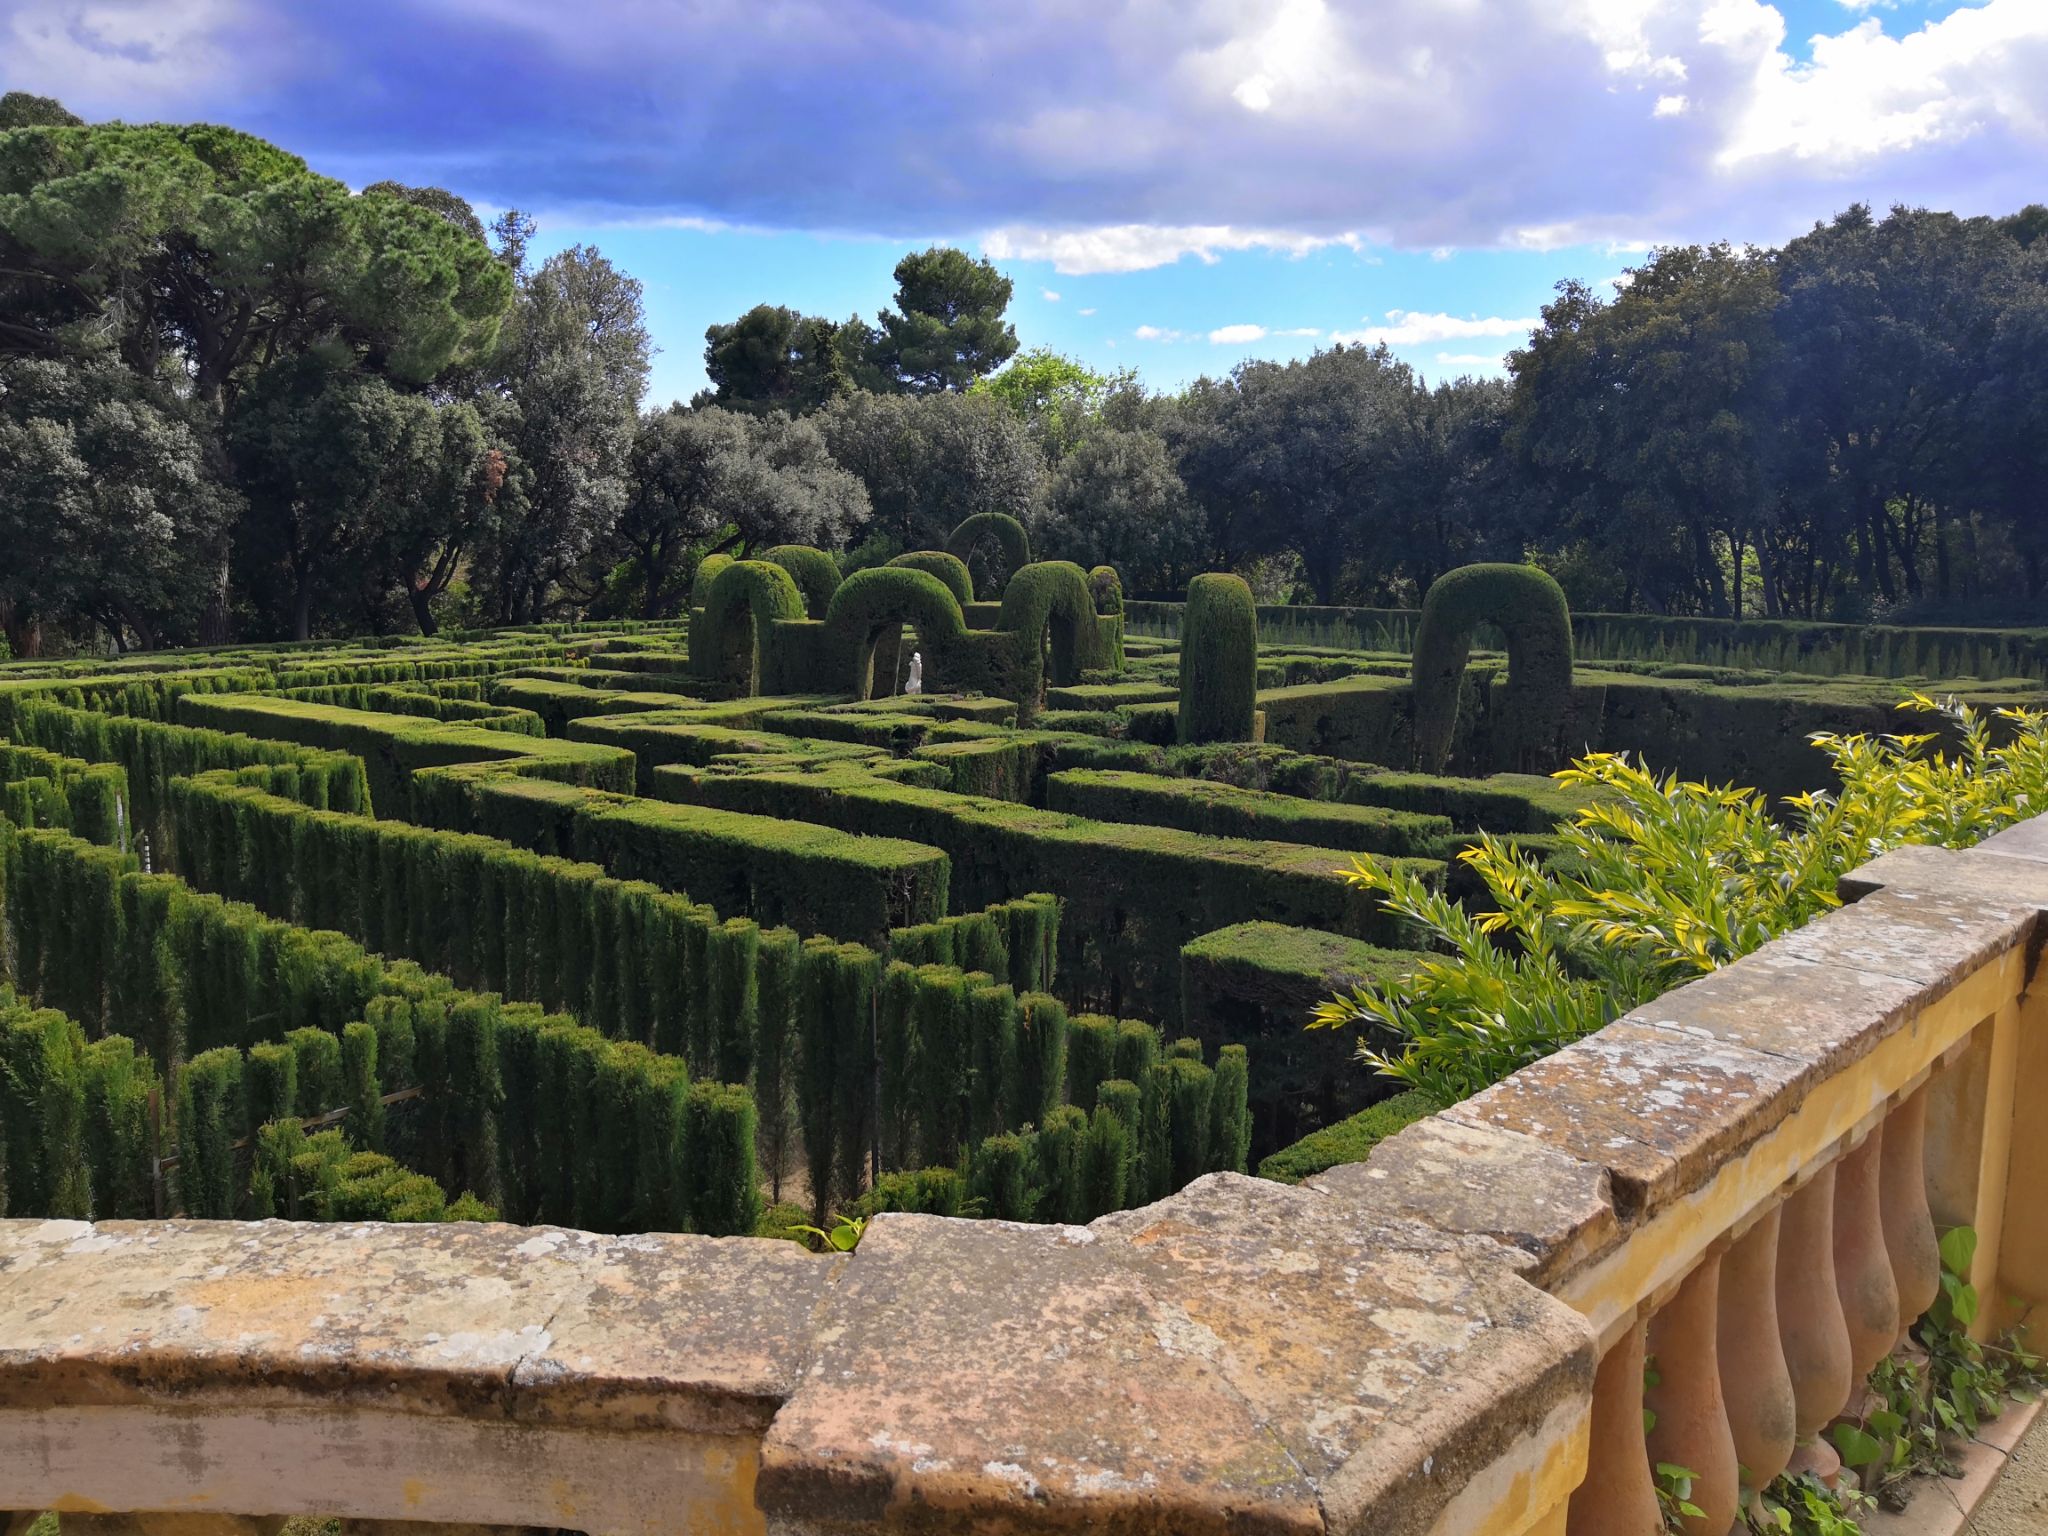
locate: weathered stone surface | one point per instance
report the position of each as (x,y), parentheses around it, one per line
(1929,938)
(1393,1361)
(1548,1209)
(1659,1107)
(535,1324)
(1241,1357)
(2023,840)
(1985,873)
(981,1374)
(1780,1002)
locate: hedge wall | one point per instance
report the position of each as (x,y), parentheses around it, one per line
(1255,984)
(733,642)
(1224,810)
(1131,895)
(777,870)
(395,747)
(520,1106)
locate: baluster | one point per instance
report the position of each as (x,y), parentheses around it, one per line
(1908,1223)
(1691,1428)
(1617,1497)
(1810,1324)
(1755,1380)
(1863,1270)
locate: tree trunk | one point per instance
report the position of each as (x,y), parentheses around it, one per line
(24,632)
(422,610)
(302,609)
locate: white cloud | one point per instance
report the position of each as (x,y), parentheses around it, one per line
(130,57)
(1867,96)
(1158,333)
(1140,247)
(1050,296)
(1088,311)
(1120,135)
(1237,335)
(1405,328)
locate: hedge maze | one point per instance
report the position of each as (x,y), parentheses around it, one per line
(709,925)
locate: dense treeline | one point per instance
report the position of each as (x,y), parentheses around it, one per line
(239,399)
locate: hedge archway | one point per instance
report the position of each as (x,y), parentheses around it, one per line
(1529,608)
(871,603)
(815,573)
(706,573)
(1053,594)
(731,643)
(950,569)
(1013,545)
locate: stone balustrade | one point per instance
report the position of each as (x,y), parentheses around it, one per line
(1744,1179)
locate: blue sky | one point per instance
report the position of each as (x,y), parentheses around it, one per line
(1174,185)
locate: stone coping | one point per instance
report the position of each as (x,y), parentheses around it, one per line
(1377,1350)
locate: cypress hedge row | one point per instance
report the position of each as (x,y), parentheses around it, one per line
(1139,1143)
(1130,895)
(400,700)
(76,1138)
(549,1119)
(151,753)
(47,789)
(323,1178)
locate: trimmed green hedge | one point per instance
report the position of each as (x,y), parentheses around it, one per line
(775,869)
(1012,543)
(733,643)
(1528,607)
(1131,895)
(1218,661)
(815,573)
(549,1119)
(1223,810)
(1348,1141)
(396,747)
(150,754)
(48,789)
(949,569)
(873,605)
(75,1133)
(1051,599)
(705,574)
(1256,984)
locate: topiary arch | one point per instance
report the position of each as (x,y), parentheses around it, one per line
(1013,545)
(1052,594)
(873,602)
(706,573)
(815,573)
(1219,661)
(1527,606)
(950,569)
(730,644)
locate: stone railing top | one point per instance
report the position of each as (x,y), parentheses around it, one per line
(1388,1348)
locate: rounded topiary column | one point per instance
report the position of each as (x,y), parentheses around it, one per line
(1527,606)
(815,573)
(950,570)
(1219,660)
